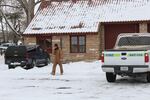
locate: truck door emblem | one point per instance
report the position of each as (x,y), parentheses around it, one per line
(123,58)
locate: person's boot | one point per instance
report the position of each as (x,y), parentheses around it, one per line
(52,73)
(61,73)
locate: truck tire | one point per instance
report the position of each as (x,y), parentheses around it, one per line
(148,77)
(111,77)
(11,67)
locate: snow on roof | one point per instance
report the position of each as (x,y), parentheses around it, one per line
(85,15)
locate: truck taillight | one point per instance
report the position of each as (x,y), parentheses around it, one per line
(102,58)
(146,57)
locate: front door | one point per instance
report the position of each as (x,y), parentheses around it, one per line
(45,42)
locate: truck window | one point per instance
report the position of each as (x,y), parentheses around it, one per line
(134,41)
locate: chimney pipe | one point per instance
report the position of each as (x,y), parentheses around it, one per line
(74,1)
(45,3)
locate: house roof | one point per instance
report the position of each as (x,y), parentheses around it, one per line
(84,16)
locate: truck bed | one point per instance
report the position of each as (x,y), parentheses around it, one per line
(124,57)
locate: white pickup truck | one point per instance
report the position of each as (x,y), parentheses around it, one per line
(129,57)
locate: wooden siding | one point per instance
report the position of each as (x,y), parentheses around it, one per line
(148,27)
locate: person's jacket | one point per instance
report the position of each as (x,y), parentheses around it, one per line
(57,55)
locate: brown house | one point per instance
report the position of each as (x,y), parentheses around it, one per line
(86,27)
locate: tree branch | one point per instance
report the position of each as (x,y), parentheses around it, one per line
(9,6)
(9,24)
(24,5)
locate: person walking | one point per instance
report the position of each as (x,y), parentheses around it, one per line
(57,59)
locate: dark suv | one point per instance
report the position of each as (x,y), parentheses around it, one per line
(26,56)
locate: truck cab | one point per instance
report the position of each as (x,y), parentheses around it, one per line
(129,57)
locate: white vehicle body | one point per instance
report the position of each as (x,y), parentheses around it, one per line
(4,46)
(130,56)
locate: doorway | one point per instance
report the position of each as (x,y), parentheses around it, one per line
(45,42)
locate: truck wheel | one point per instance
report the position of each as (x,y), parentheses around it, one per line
(148,77)
(11,67)
(111,77)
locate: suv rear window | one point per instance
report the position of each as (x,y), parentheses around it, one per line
(16,50)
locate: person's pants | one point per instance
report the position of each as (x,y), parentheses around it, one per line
(54,68)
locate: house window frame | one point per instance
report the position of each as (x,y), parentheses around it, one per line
(78,45)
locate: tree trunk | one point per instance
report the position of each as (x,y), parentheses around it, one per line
(4,16)
(3,31)
(29,9)
(31,4)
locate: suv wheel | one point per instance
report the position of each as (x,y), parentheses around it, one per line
(11,67)
(29,66)
(111,77)
(148,77)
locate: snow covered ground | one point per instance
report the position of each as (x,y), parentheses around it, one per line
(81,81)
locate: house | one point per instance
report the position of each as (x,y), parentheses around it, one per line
(83,28)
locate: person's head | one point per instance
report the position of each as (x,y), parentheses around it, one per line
(56,46)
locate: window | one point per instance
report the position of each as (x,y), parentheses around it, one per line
(78,44)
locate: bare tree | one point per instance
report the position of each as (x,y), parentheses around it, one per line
(28,6)
(7,20)
(15,18)
(2,26)
(11,27)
